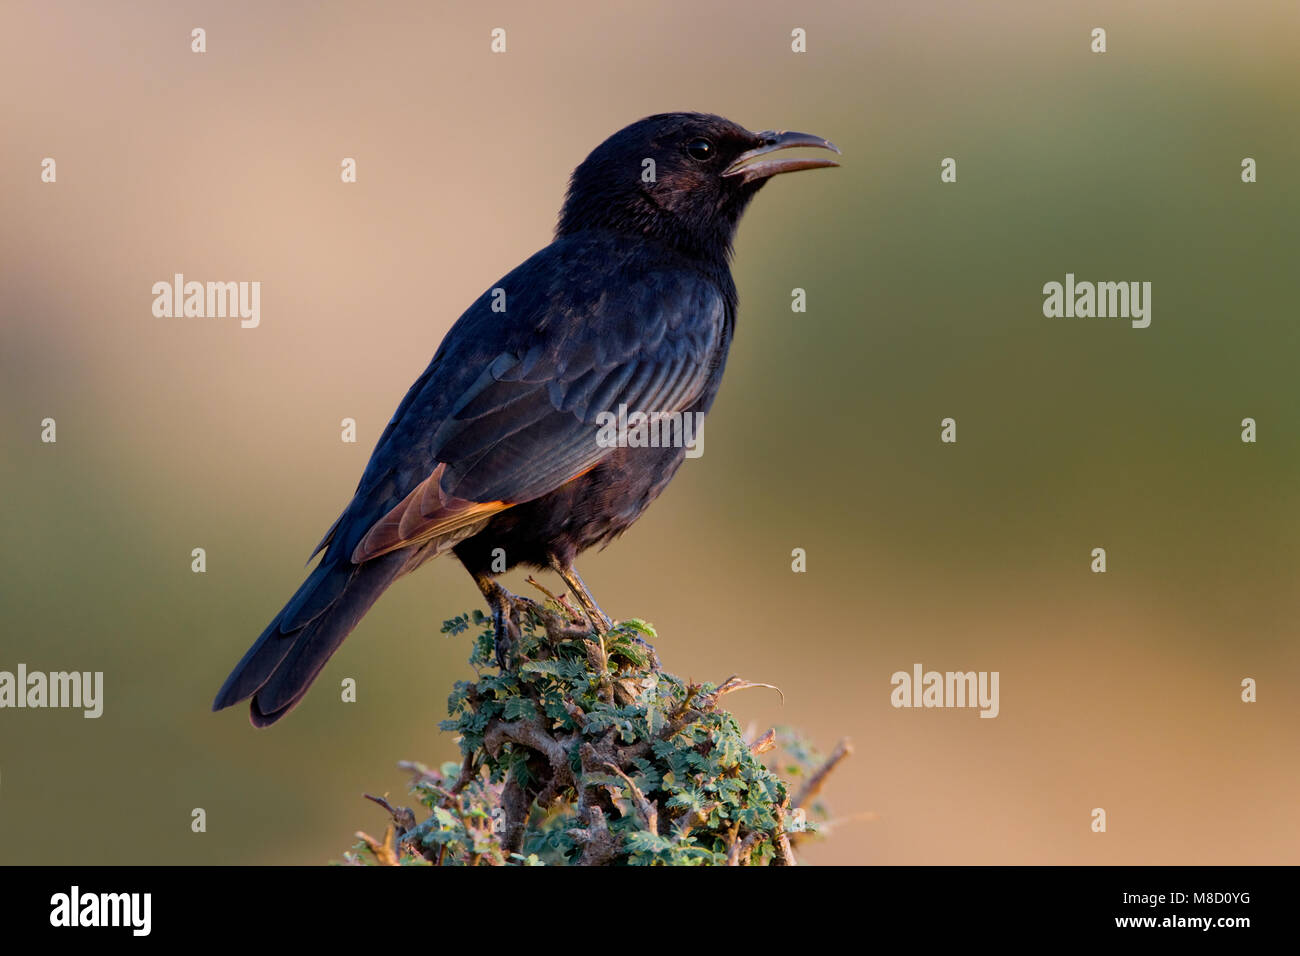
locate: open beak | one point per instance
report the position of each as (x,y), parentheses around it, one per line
(772,141)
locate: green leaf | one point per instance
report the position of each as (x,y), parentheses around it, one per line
(643,841)
(518,708)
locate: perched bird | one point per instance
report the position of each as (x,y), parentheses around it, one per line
(494,453)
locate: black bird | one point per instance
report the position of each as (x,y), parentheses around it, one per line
(494,453)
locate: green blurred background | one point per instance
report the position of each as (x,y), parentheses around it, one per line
(1118,691)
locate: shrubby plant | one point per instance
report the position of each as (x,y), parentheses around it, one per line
(583,751)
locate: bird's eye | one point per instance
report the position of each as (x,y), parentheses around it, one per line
(700,149)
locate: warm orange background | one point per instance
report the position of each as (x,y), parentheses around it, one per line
(1117,690)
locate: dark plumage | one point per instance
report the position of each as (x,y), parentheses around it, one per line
(495,445)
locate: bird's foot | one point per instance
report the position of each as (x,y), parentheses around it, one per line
(506,633)
(507,618)
(599,620)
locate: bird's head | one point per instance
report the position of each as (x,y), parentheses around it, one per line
(683,178)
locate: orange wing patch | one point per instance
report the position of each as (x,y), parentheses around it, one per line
(424,514)
(428,513)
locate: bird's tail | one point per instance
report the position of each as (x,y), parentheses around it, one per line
(281,665)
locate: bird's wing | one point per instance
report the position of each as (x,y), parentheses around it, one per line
(527,422)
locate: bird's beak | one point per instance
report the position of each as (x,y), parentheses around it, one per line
(772,141)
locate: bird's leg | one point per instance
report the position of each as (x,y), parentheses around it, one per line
(599,622)
(506,608)
(598,618)
(569,575)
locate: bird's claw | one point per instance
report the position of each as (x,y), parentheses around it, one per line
(507,622)
(506,634)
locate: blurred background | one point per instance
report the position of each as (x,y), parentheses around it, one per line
(1119,691)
